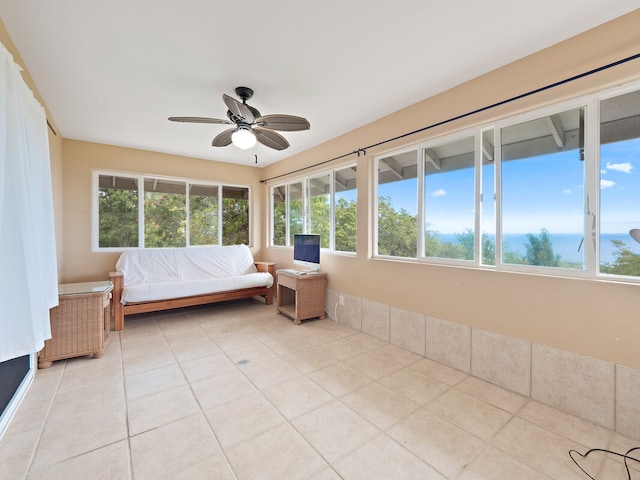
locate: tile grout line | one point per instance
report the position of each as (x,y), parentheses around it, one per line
(126,400)
(45,420)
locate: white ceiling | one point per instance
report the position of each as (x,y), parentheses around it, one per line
(112,72)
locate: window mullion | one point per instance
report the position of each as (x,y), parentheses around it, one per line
(477,226)
(187,187)
(332,203)
(306,205)
(287,208)
(421,223)
(592,187)
(141,195)
(220,214)
(497,151)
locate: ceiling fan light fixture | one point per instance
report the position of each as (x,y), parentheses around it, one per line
(243,138)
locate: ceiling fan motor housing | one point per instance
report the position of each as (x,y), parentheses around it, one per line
(245,93)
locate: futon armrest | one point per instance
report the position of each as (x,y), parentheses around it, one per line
(117,278)
(266,267)
(271,268)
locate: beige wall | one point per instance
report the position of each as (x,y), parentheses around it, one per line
(595,318)
(82,158)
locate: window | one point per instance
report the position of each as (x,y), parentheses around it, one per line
(153,212)
(426,201)
(203,214)
(397,207)
(556,191)
(324,204)
(296,210)
(542,191)
(449,199)
(279,215)
(286,213)
(619,184)
(320,208)
(117,211)
(235,215)
(344,209)
(165,213)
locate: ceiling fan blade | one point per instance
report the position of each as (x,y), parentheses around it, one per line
(270,138)
(223,139)
(284,123)
(199,120)
(239,109)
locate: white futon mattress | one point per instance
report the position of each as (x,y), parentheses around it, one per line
(166,273)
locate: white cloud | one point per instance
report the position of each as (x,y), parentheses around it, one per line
(566,191)
(606,184)
(625,167)
(439,193)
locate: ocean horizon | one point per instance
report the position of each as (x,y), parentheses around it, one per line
(569,246)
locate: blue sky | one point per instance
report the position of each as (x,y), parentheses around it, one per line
(620,186)
(540,192)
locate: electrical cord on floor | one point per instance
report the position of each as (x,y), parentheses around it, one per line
(626,456)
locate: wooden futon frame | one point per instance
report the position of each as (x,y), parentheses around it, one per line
(120,310)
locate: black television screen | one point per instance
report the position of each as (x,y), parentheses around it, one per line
(306,250)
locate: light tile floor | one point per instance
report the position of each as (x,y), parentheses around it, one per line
(236,391)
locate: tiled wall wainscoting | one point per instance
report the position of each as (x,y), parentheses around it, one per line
(602,392)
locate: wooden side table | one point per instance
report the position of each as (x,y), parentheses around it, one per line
(301,296)
(80,324)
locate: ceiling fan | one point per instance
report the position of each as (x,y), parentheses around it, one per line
(251,126)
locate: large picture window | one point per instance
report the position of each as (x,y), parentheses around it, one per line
(555,191)
(149,212)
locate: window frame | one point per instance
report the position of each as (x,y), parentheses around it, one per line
(376,196)
(287,187)
(422,194)
(591,194)
(306,196)
(588,104)
(140,179)
(420,148)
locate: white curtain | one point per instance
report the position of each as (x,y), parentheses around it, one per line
(28,271)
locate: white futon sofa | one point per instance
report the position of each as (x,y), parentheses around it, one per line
(148,280)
